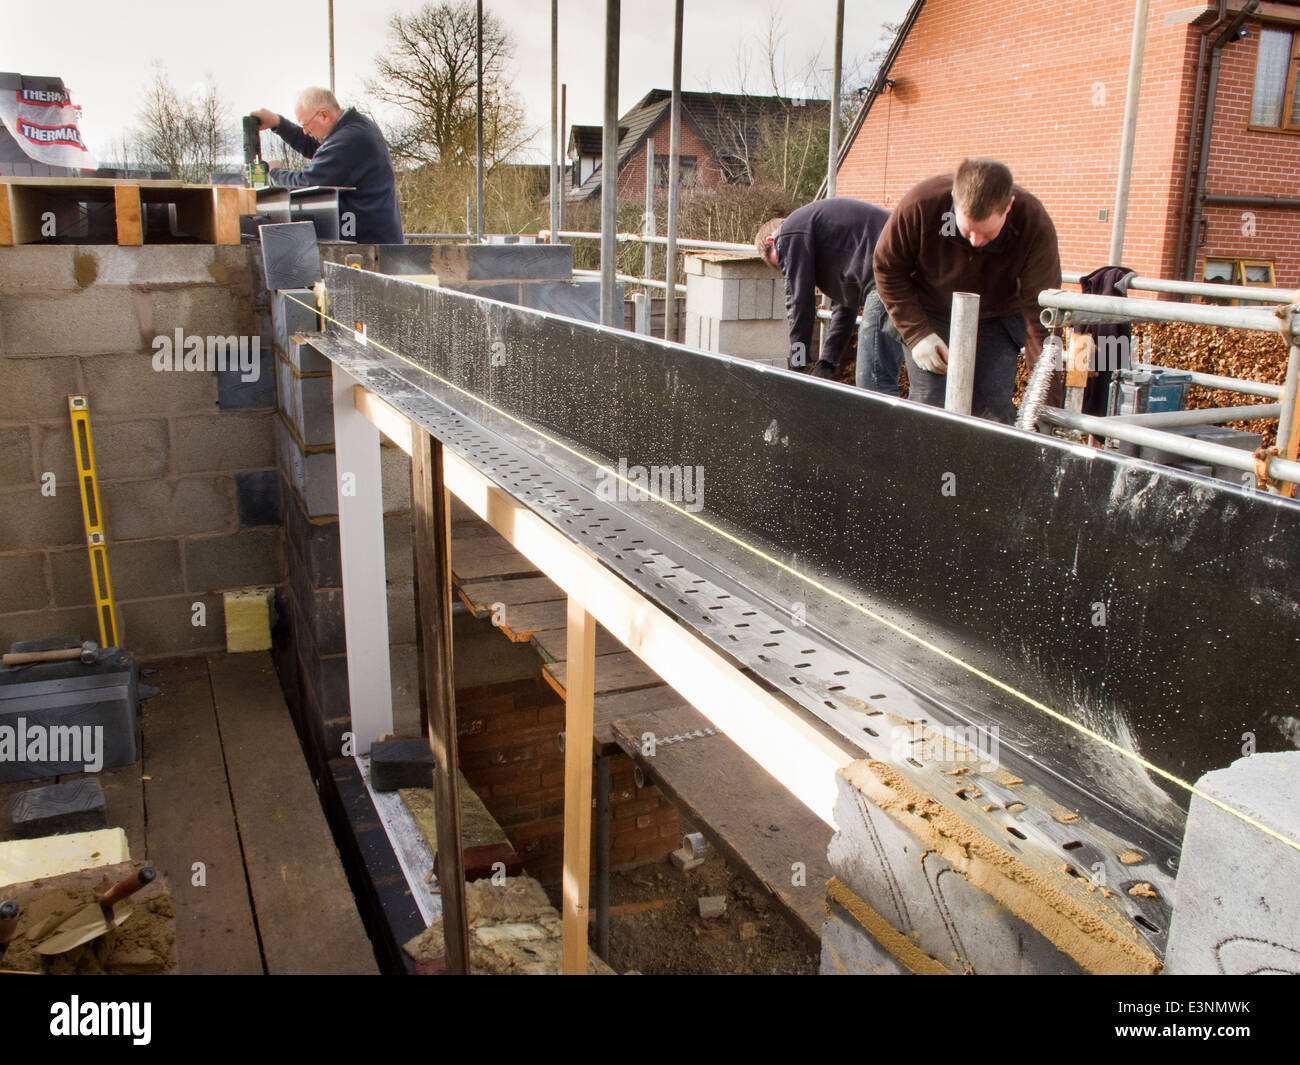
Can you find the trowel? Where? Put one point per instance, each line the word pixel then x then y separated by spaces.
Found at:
pixel 94 920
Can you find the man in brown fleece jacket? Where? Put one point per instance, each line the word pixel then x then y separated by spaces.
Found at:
pixel 974 231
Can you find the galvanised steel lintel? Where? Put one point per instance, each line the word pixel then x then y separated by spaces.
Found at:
pixel 861 547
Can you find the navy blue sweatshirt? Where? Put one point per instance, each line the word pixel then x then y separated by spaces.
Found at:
pixel 828 245
pixel 352 153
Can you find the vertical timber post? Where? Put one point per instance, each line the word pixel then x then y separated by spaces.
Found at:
pixel 431 537
pixel 579 708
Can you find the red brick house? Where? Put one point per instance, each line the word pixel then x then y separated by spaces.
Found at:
pixel 721 134
pixel 1042 87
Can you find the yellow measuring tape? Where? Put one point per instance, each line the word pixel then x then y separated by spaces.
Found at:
pixel 93 517
pixel 812 582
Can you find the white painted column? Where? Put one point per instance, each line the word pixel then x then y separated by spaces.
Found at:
pixel 365 587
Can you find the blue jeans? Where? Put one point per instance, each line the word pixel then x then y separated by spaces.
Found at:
pixel 880 354
pixel 997 355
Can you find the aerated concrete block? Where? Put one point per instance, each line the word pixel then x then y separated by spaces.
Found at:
pixel 313 408
pixel 70 806
pixel 1236 909
pixel 849 950
pixel 920 895
pixel 289 316
pixel 401 764
pixel 304 358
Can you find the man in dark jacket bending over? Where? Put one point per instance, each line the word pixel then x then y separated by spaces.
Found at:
pixel 828 245
pixel 345 148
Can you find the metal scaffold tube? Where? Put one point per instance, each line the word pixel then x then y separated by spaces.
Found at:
pixel 1086 308
pixel 609 168
pixel 674 178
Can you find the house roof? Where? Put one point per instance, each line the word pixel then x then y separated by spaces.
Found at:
pixel 722 120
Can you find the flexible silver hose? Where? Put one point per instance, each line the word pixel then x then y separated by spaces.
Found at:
pixel 1040 379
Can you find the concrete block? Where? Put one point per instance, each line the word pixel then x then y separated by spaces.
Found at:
pixel 16 468
pixel 123 449
pixel 237 390
pixel 395 470
pixel 140 569
pixel 248 558
pixel 454 263
pixel 169 264
pixel 849 950
pixel 285 394
pixel 38 389
pixel 398 559
pixel 142 510
pixel 34 624
pixel 920 895
pixel 692 336
pixel 129 385
pixel 202 311
pixel 29 520
pixel 735 266
pixel 401 612
pixel 759 339
pixel 257 498
pixel 315 544
pixel 1236 909
pixel 87 322
pixel 684 859
pixel 37 267
pixel 313 408
pixel 403 666
pixel 572 299
pixel 231 440
pixel 22 582
pixel 288 316
pixel 704 296
pixel 158 628
pixel 56 809
pixel 693 266
pixel 401 764
pixel 712 905
pixel 780 307
pixel 304 358
pixel 747 298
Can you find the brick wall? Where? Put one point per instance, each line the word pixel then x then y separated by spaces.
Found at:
pixel 509 753
pixel 708 175
pixel 186 460
pixel 1042 87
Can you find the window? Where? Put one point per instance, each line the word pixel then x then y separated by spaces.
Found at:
pixel 685 171
pixel 1276 104
pixel 1226 271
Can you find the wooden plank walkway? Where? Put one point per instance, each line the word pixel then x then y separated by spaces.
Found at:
pixel 223 804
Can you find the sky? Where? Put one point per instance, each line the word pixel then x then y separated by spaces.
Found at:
pixel 260 54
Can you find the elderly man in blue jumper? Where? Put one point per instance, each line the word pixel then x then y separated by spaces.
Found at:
pixel 344 148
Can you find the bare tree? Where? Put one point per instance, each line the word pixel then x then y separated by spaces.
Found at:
pixel 189 138
pixel 429 73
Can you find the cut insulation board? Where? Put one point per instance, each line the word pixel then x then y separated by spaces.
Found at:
pixel 248 620
pixel 34 859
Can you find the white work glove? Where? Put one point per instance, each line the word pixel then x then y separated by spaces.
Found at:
pixel 932 354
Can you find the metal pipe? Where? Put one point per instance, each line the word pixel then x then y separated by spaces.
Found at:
pixel 963 332
pixel 1226 200
pixel 1205 416
pixel 682 242
pixel 674 156
pixel 609 167
pixel 833 157
pixel 438 236
pixel 602 856
pixel 1287 426
pixel 1226 384
pixel 469 216
pixel 1207 131
pixel 331 2
pixel 555 116
pixel 648 282
pixel 478 109
pixel 1129 135
pixel 1189 145
pixel 648 219
pixel 564 126
pixel 1252 294
pixel 1201 450
pixel 1083 307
